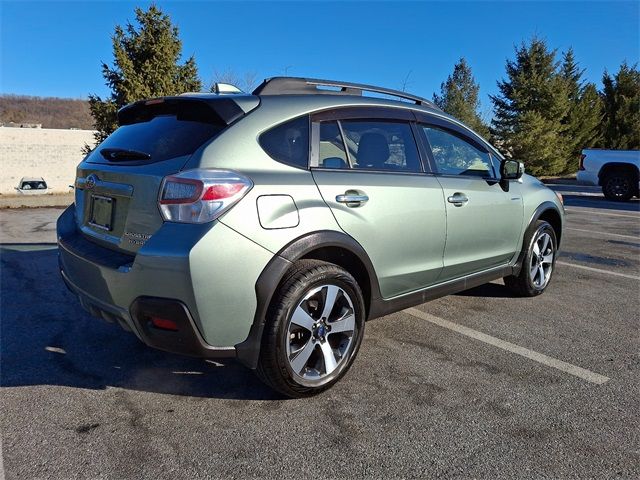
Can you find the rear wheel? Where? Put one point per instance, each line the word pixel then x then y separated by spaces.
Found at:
pixel 618 186
pixel 538 263
pixel 313 331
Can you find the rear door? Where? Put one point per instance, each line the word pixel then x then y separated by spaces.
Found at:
pixel 483 220
pixel 117 184
pixel 368 169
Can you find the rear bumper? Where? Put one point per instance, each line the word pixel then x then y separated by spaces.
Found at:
pixel 186 340
pixel 181 272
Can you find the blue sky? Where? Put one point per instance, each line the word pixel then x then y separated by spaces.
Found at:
pixel 55 48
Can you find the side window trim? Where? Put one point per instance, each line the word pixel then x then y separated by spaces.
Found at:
pixel 495 162
pixel 456 133
pixel 314 145
pixel 424 150
pixel 344 144
pixel 363 113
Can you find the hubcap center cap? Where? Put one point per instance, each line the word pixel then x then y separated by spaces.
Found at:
pixel 320 330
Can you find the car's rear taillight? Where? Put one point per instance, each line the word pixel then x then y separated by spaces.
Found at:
pixel 581 162
pixel 200 196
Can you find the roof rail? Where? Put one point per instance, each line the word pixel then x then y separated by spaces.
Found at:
pixel 297 85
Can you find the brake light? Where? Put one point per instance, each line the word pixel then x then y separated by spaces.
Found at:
pixel 581 162
pixel 218 192
pixel 200 196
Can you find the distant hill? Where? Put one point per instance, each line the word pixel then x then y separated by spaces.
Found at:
pixel 51 112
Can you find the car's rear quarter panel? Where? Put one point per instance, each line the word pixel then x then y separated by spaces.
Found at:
pixel 238 149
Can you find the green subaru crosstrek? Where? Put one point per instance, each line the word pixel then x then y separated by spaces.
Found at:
pixel 269 227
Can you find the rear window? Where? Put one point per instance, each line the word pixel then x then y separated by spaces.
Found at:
pixel 162 138
pixel 289 142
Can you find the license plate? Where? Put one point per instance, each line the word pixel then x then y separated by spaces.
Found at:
pixel 101 212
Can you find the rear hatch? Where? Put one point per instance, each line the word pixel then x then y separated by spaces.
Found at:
pixel 117 184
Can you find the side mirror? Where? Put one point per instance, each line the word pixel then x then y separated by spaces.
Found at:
pixel 511 170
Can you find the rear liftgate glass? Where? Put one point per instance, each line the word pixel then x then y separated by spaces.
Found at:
pixel 119 183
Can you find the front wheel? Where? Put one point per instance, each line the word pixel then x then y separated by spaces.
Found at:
pixel 313 329
pixel 538 263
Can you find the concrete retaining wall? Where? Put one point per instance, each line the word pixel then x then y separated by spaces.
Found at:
pixel 40 152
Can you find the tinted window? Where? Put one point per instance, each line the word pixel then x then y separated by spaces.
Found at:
pixel 161 137
pixel 455 156
pixel 378 145
pixel 332 153
pixel 288 143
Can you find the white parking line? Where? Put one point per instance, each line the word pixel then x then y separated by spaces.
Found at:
pixel 579 372
pixel 584 210
pixel 599 270
pixel 1 462
pixel 580 194
pixel 634 237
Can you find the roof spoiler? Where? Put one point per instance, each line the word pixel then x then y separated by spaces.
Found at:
pixel 209 110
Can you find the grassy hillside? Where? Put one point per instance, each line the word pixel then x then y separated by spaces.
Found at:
pixel 51 112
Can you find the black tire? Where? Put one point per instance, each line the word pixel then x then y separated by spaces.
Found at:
pixel 275 365
pixel 618 186
pixel 522 284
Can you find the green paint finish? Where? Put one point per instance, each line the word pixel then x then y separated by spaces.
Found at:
pixel 402 226
pixel 414 236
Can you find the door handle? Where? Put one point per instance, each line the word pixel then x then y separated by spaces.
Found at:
pixel 352 199
pixel 458 199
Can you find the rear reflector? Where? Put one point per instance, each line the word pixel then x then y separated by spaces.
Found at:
pixel 164 324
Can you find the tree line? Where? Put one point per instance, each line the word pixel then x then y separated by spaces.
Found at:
pixel 50 112
pixel 545 112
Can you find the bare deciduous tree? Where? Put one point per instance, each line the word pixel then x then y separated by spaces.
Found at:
pixel 245 82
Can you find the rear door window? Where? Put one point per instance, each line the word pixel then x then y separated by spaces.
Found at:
pixel 289 142
pixel 368 145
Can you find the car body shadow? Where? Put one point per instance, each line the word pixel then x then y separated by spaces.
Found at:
pixel 632 205
pixel 491 290
pixel 47 339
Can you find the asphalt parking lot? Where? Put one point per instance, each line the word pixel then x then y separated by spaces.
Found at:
pixel 478 384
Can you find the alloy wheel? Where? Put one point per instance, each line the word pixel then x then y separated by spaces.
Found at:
pixel 320 333
pixel 541 260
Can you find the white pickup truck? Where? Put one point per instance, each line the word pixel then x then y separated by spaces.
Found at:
pixel 615 170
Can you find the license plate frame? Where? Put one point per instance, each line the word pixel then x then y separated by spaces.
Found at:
pixel 101 215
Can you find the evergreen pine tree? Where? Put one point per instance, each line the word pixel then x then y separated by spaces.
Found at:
pixel 621 97
pixel 582 123
pixel 145 65
pixel 459 97
pixel 530 108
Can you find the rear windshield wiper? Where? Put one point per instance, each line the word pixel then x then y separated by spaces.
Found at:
pixel 115 154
